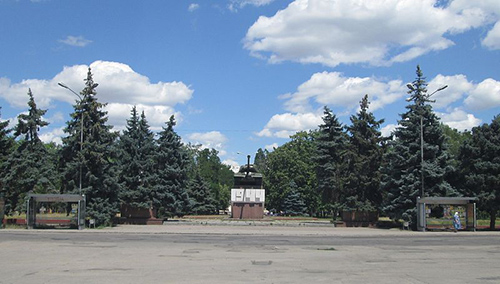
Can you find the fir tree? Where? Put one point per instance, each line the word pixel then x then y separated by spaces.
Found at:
pixel 404 174
pixel 260 160
pixel 293 204
pixel 6 143
pixel 330 146
pixel 136 158
pixel 94 159
pixel 170 197
pixel 201 201
pixel 30 167
pixel 480 167
pixel 363 158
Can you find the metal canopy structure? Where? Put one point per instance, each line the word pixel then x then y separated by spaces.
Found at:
pixel 468 202
pixel 67 198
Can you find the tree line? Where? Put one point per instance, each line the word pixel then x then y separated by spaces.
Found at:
pixel 135 168
pixel 321 172
pixel 353 167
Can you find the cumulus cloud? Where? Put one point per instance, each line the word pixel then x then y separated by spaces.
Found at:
pixel 78 41
pixel 54 136
pixel 484 95
pixel 388 129
pixel 287 124
pixel 119 86
pixel 271 147
pixel 193 6
pixel 459 119
pixel 333 32
pixel 209 140
pixel 331 88
pixel 458 87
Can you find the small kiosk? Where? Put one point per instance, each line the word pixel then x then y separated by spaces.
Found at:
pixel 33 199
pixel 465 205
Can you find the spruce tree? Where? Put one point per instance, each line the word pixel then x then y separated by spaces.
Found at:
pixel 95 159
pixel 404 172
pixel 331 141
pixel 136 159
pixel 170 196
pixel 201 201
pixel 293 204
pixel 480 167
pixel 362 159
pixel 6 143
pixel 29 168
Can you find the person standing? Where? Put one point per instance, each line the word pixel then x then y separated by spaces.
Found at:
pixel 456 222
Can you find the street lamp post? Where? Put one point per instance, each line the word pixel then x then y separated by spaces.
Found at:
pixel 425 99
pixel 81 131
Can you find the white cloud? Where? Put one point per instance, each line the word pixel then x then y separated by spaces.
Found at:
pixel 235 167
pixel 78 41
pixel 119 86
pixel 54 135
pixel 212 139
pixel 484 95
pixel 331 88
pixel 234 5
pixel 458 86
pixel 271 147
pixel 193 6
pixel 388 129
pixel 492 39
pixel 333 32
pixel 459 119
pixel 287 124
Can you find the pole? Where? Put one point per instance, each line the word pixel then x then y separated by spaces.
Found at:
pixel 422 154
pixel 81 132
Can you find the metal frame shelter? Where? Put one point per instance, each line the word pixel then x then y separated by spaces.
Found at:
pixel 68 198
pixel 468 202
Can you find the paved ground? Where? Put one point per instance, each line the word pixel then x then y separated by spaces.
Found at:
pixel 247 254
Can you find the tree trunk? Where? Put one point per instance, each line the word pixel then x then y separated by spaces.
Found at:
pixel 493 216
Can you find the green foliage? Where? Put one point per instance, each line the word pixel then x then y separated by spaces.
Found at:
pixel 136 160
pixel 293 204
pixel 362 160
pixel 95 158
pixel 480 167
pixel 6 147
pixel 218 176
pixel 402 170
pixel 30 167
pixel 260 160
pixel 292 161
pixel 202 202
pixel 330 145
pixel 170 196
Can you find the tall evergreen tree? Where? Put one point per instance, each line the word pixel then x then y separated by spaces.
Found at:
pixel 95 158
pixel 363 159
pixel 293 204
pixel 260 160
pixel 136 158
pixel 331 142
pixel 480 167
pixel 6 143
pixel 170 196
pixel 404 174
pixel 200 196
pixel 30 167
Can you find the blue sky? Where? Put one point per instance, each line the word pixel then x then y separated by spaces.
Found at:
pixel 245 74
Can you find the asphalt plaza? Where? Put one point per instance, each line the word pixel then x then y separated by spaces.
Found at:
pixel 195 253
